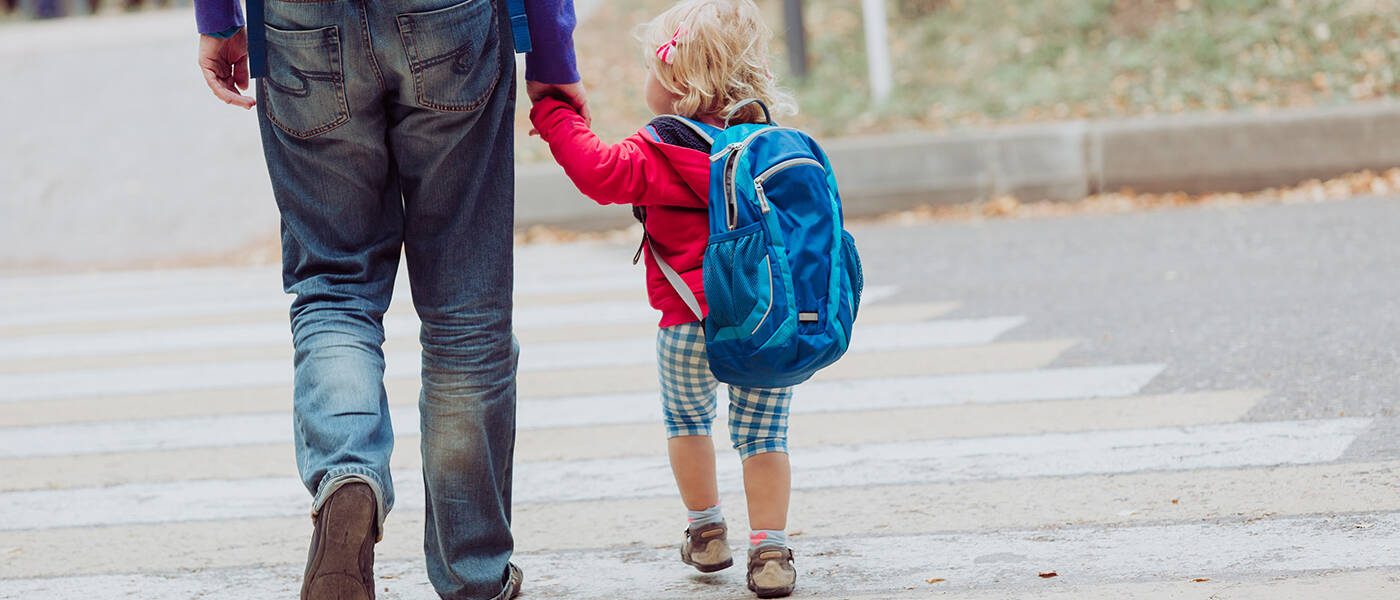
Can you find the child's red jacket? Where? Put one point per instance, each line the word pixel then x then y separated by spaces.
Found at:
pixel 671 181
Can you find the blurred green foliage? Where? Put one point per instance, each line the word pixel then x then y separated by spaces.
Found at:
pixel 969 62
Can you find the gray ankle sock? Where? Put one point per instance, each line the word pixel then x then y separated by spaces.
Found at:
pixel 767 537
pixel 705 517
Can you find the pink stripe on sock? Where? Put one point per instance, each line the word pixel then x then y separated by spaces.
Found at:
pixel 755 538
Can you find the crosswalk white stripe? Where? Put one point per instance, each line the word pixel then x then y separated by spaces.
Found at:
pixel 36 288
pixel 1125 451
pixel 1003 561
pixel 85 307
pixel 278 333
pixel 900 392
pixel 808 430
pixel 139 311
pixel 278 330
pixel 66 305
pixel 396 340
pixel 540 271
pixel 539 268
pixel 537 357
pixel 997 356
pixel 189 338
pixel 872 338
pixel 33 306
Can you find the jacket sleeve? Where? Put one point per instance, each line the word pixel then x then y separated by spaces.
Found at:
pixel 214 16
pixel 623 173
pixel 551 58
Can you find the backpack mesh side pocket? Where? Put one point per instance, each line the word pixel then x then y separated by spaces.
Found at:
pixel 738 283
pixel 857 276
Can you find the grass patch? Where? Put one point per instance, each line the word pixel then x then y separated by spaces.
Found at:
pixel 962 63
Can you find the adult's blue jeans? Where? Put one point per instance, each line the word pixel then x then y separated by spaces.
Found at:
pixel 387 128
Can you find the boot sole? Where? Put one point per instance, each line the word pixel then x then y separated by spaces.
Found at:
pixel 771 592
pixel 703 567
pixel 335 571
pixel 710 568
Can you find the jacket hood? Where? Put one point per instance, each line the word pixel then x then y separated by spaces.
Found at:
pixel 691 166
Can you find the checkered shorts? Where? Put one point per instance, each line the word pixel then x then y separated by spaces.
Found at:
pixel 758 417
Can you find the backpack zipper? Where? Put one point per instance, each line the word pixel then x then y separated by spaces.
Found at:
pixel 718 156
pixel 791 162
pixel 732 151
pixel 731 203
pixel 774 170
pixel 741 144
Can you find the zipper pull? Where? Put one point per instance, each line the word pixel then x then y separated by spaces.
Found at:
pixel 718 156
pixel 762 198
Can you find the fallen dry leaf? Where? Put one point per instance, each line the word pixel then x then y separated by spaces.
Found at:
pixel 1200 579
pixel 1176 500
pixel 1049 574
pixel 935 580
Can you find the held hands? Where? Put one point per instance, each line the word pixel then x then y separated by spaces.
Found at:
pixel 572 93
pixel 224 63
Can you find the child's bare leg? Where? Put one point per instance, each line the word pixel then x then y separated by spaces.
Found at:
pixel 706 545
pixel 767 486
pixel 693 464
pixel 688 404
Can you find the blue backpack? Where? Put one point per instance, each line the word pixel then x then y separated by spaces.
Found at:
pixel 782 277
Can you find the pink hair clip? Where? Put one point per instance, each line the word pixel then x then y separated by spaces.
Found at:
pixel 666 51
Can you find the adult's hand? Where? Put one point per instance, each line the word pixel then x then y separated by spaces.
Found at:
pixel 569 92
pixel 224 63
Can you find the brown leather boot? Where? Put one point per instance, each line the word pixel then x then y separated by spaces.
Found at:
pixel 340 565
pixel 707 548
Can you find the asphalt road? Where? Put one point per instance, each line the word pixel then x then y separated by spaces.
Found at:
pixel 1302 300
pixel 1189 403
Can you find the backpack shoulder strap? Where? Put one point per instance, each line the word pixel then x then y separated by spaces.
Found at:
pixel 519 26
pixel 257 40
pixel 707 133
pixel 677 283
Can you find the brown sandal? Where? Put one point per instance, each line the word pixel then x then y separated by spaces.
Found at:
pixel 707 548
pixel 771 571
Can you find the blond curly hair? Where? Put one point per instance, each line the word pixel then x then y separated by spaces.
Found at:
pixel 720 58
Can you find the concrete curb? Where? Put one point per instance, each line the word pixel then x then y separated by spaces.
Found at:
pixel 1059 161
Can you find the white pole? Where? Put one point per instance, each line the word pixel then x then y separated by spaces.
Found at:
pixel 877 50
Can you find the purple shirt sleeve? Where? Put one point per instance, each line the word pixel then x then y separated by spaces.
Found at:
pixel 213 16
pixel 551 59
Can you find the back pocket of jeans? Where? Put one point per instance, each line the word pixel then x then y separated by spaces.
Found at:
pixel 454 54
pixel 304 87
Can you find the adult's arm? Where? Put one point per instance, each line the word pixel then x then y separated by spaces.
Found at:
pixel 551 58
pixel 217 17
pixel 223 50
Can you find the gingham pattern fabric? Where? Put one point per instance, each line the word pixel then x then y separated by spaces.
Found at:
pixel 758 417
